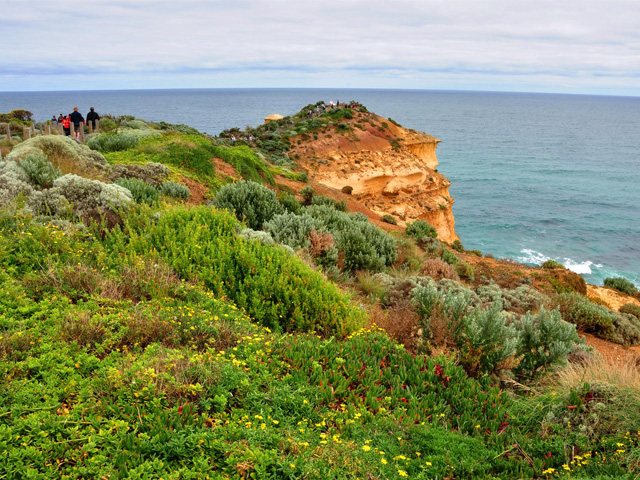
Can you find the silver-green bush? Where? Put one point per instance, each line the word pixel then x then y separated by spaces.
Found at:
pixel 85 194
pixel 142 193
pixel 249 201
pixel 290 229
pixel 175 190
pixel 544 341
pixel 14 181
pixel 112 142
pixel 39 170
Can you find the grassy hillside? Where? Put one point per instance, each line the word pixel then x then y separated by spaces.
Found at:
pixel 145 337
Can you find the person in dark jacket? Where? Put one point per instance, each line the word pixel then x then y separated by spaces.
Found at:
pixel 77 119
pixel 92 116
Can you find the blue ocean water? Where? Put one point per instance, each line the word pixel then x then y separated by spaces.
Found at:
pixel 535 176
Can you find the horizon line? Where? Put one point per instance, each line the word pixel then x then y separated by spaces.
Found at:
pixel 328 88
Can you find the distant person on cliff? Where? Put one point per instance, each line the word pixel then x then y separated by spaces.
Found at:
pixel 60 118
pixel 77 119
pixel 54 119
pixel 92 116
pixel 66 125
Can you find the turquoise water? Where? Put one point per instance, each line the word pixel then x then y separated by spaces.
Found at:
pixel 535 176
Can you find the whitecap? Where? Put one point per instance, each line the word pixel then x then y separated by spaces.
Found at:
pixel 532 257
pixel 583 268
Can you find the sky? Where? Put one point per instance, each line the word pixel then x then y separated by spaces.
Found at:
pixel 563 46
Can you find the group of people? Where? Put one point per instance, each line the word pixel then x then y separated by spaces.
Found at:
pixel 320 108
pixel 77 119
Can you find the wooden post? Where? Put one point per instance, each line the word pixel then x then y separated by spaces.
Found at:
pixel 47 128
pixel 33 129
pixel 8 131
pixel 60 128
pixel 90 127
pixel 97 124
pixel 73 130
pixel 82 133
pixel 26 133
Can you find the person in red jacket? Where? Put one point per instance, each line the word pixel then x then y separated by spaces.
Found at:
pixel 66 125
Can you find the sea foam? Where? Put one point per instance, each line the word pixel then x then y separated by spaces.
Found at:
pixel 537 258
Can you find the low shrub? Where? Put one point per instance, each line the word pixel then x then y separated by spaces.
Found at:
pixel 585 315
pixel 389 219
pixel 246 162
pixel 341 205
pixel 307 194
pixel 322 249
pixel 465 271
pixel 485 340
pixel 544 341
pixel 175 190
pixel 626 330
pixel 291 229
pixel 457 246
pixel 366 247
pixel 112 142
pixel 141 192
pixel 86 195
pixel 39 170
pixel 420 231
pixel 274 288
pixel 153 173
pixel 438 269
pixel 14 182
pixel 65 153
pixel 552 264
pixel 621 284
pixel 290 203
pixel 448 256
pixel 631 309
pixel 249 201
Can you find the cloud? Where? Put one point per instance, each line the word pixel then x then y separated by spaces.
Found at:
pixel 592 43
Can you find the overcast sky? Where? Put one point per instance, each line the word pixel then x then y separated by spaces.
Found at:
pixel 585 46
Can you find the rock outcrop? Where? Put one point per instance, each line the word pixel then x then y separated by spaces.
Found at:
pixel 390 169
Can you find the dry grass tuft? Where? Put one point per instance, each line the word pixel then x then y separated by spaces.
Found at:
pixel 438 269
pixel 321 243
pixel 400 321
pixel 621 374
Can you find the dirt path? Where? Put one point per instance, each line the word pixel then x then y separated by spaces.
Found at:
pixel 612 351
pixel 613 298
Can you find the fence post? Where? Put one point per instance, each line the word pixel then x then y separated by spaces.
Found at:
pixel 73 130
pixel 47 128
pixel 82 133
pixel 33 129
pixel 26 133
pixel 97 124
pixel 90 127
pixel 8 131
pixel 60 128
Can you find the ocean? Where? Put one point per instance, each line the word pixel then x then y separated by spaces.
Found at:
pixel 534 176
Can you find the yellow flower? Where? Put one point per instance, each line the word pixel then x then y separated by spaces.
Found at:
pixel 383 461
pixel 428 464
pixel 366 448
pixel 402 473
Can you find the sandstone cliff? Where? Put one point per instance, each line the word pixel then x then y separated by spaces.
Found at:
pixel 390 169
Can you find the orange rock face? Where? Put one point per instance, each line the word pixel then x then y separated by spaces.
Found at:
pixel 391 169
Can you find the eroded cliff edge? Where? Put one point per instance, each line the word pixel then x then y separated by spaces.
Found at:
pixel 392 170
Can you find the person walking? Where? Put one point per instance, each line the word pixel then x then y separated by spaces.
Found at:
pixel 92 116
pixel 77 119
pixel 66 125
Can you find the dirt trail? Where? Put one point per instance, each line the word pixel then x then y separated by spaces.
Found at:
pixel 612 351
pixel 613 298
